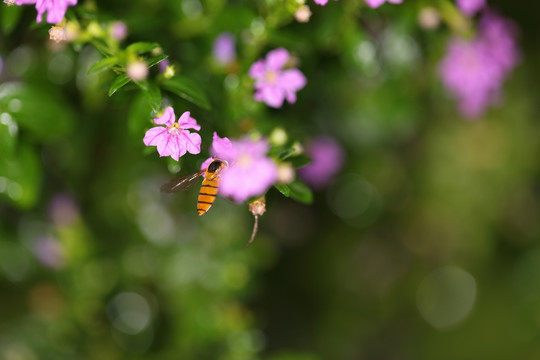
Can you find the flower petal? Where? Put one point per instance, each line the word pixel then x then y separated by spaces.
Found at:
pixel 292 79
pixel 187 122
pixel 167 146
pixel 180 147
pixel 152 136
pixel 168 117
pixel 257 70
pixel 375 3
pixel 272 95
pixel 56 12
pixel 222 148
pixel 192 142
pixel 277 58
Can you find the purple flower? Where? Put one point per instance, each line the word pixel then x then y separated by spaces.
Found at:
pixel 63 210
pixel 470 7
pixel 321 2
pixel 224 51
pixel 250 172
pixel 377 3
pixel 119 30
pixel 162 65
pixel 327 158
pixel 272 83
pixel 174 140
pixel 56 9
pixel 49 252
pixel 474 70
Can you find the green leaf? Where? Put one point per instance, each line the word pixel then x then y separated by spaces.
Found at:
pixel 285 153
pixel 299 161
pixel 41 112
pixel 187 89
pixel 10 18
pixel 156 60
pixel 142 47
pixel 301 192
pixel 139 116
pixel 103 64
pixel 21 177
pixel 120 81
pixel 8 134
pixel 284 189
pixel 152 93
pixel 101 47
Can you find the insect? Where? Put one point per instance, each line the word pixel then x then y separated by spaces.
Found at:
pixel 209 186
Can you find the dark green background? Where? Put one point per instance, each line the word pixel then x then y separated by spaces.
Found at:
pixel 427 203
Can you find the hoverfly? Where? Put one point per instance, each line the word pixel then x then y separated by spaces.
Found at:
pixel 209 186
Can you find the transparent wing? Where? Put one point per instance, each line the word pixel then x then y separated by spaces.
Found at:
pixel 181 183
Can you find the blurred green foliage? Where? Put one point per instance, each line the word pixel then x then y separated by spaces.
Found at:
pixel 424 247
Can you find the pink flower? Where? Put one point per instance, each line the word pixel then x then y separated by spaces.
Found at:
pixel 327 158
pixel 250 172
pixel 174 140
pixel 474 70
pixel 377 3
pixel 272 83
pixel 321 2
pixel 49 252
pixel 470 7
pixel 56 9
pixel 118 30
pixel 223 50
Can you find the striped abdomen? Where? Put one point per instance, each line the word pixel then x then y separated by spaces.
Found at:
pixel 207 195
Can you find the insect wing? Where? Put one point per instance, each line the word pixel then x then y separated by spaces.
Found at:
pixel 182 183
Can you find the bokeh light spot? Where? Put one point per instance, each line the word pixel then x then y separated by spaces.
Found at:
pixel 446 296
pixel 129 313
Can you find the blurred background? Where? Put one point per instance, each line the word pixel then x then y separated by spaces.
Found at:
pixel 423 246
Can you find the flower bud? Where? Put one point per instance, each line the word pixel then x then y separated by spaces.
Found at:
pixel 302 14
pixel 285 174
pixel 57 33
pixel 278 137
pixel 137 70
pixel 118 30
pixel 429 18
pixel 258 207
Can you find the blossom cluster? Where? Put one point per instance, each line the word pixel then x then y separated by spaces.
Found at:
pixel 474 70
pixel 55 9
pixel 370 3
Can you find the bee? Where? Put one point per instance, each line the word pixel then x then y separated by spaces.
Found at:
pixel 209 186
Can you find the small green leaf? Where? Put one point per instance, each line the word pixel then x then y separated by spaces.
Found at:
pixel 120 81
pixel 301 192
pixel 142 84
pixel 284 154
pixel 284 189
pixel 10 18
pixel 152 93
pixel 156 60
pixel 187 89
pixel 103 64
pixel 299 161
pixel 101 47
pixel 142 47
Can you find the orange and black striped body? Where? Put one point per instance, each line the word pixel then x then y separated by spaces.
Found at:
pixel 210 186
